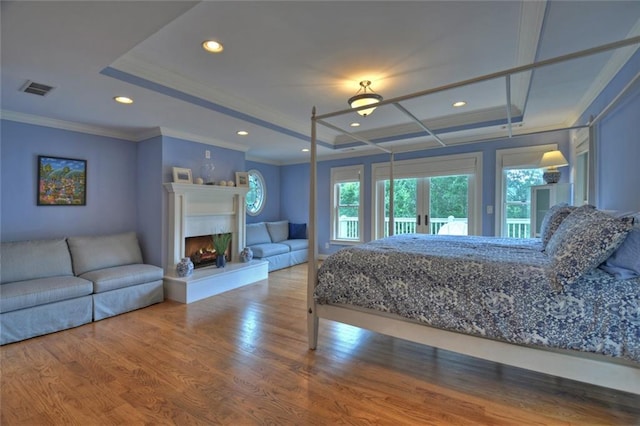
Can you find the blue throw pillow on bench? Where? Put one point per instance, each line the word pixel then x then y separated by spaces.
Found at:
pixel 297 231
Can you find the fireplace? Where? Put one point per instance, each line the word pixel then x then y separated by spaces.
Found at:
pixel 197 212
pixel 201 251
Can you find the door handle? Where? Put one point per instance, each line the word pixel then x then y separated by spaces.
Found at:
pixel 426 219
pixel 418 220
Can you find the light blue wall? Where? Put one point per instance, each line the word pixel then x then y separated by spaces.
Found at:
pixel 111 183
pixel 150 196
pixel 272 207
pixel 617 138
pixel 294 186
pixel 191 155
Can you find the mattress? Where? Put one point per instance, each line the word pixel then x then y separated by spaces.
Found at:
pixel 486 286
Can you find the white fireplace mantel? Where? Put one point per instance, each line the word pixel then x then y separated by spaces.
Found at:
pixel 196 210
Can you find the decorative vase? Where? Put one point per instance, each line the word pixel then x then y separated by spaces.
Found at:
pixel 221 261
pixel 246 254
pixel 184 268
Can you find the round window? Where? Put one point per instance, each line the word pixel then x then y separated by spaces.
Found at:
pixel 257 195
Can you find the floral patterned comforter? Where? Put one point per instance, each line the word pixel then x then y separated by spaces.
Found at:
pixel 485 286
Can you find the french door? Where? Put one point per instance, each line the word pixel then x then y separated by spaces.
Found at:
pixel 425 205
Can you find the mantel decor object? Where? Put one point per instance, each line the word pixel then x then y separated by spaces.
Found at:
pixel 184 268
pixel 220 244
pixel 182 175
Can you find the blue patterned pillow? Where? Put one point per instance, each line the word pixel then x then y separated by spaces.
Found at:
pixel 552 220
pixel 585 239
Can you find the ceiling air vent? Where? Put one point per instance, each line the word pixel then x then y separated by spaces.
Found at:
pixel 36 88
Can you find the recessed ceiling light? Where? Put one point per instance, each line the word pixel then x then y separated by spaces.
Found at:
pixel 123 100
pixel 212 46
pixel 459 104
pixel 305 149
pixel 354 124
pixel 242 132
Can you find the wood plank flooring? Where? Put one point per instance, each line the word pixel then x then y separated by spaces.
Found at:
pixel 242 358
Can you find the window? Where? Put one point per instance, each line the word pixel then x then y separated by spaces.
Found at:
pixel 257 195
pixel 346 211
pixel 517 205
pixel 516 172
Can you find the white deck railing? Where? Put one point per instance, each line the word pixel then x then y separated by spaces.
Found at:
pixel 348 226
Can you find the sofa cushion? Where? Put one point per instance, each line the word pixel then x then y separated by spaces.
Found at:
pixel 297 231
pixel 279 231
pixel 92 253
pixel 297 244
pixel 257 234
pixel 271 249
pixel 30 260
pixel 26 294
pixel 122 276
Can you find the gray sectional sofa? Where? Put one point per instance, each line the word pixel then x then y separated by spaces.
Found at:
pixel 52 285
pixel 273 241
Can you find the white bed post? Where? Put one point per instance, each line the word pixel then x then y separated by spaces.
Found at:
pixel 312 264
pixel 391 221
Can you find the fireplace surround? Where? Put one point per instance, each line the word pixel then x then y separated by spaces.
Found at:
pixel 202 211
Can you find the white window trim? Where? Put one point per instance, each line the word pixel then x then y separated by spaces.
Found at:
pixel 524 157
pixel 443 165
pixel 345 174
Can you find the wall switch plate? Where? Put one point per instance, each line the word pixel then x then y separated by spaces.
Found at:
pixel 207 154
pixel 489 209
pixel 326 245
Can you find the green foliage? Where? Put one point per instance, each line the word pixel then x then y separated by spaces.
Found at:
pixel 448 197
pixel 519 183
pixel 221 242
pixel 348 198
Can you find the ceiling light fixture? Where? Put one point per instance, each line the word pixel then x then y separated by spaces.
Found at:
pixel 242 132
pixel 364 98
pixel 212 46
pixel 305 149
pixel 354 124
pixel 459 104
pixel 123 100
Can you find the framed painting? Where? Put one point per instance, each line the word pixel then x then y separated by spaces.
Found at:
pixel 182 175
pixel 242 179
pixel 62 181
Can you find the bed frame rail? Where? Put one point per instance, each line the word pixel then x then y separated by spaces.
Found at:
pixel 587 368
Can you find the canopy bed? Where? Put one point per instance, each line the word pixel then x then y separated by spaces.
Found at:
pixel 525 303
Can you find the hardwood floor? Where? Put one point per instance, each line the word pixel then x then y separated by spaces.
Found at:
pixel 241 358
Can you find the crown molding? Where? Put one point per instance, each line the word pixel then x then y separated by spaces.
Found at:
pixel 66 125
pixel 111 133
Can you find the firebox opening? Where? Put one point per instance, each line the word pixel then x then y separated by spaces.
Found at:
pixel 200 250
